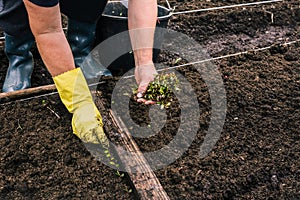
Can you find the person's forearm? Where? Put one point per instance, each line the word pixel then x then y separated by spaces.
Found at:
pixel 53 46
pixel 55 52
pixel 142 16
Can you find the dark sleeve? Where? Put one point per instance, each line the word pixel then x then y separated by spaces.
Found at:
pixel 45 3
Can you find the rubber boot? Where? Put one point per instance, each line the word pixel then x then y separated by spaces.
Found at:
pixel 17 50
pixel 81 37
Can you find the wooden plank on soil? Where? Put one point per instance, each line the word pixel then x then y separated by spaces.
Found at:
pixel 143 178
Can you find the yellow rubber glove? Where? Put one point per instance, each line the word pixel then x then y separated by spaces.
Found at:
pixel 75 94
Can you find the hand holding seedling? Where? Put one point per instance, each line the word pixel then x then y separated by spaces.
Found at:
pixel 144 74
pixel 159 90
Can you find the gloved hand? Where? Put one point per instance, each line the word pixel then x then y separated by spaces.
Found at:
pixel 74 93
pixel 144 74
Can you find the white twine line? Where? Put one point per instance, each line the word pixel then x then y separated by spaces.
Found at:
pixel 202 10
pixel 174 67
pixel 225 7
pixel 169 6
pixel 221 57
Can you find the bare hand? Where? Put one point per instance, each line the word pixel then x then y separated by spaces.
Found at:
pixel 144 74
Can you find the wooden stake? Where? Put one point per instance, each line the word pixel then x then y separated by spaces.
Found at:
pixel 29 91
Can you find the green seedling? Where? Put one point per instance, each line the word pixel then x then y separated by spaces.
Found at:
pixel 178 60
pixel 128 190
pixel 112 160
pixel 44 102
pixel 118 173
pixel 161 89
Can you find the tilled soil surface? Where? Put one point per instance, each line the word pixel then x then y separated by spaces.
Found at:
pixel 255 157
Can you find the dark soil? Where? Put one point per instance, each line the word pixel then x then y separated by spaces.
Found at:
pixel 256 157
